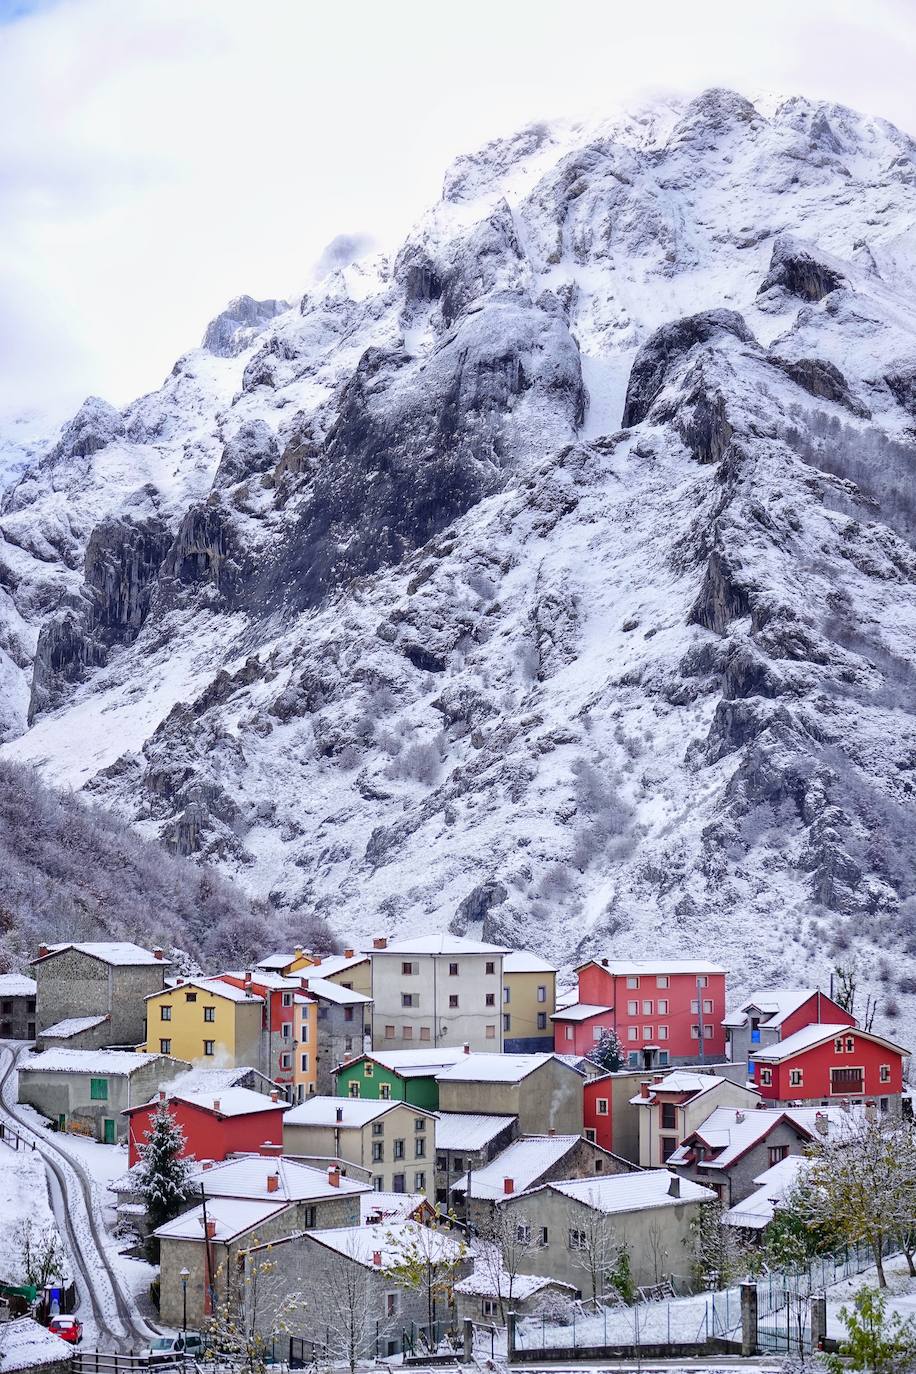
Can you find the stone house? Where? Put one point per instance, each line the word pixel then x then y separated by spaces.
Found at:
pixel 250 1201
pixel 437 990
pixel 673 1105
pixel 88 1091
pixel 542 1090
pixel 105 983
pixel 392 1142
pixel 731 1147
pixel 622 1087
pixel 17 1007
pixel 648 1211
pixel 525 1164
pixel 25 1345
pixel 352 970
pixel 468 1141
pixel 477 1297
pixel 344 1027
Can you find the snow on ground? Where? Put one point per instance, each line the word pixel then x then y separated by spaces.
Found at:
pixel 23 1202
pixel 901 1293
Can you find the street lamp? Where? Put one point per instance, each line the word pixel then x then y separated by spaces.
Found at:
pixel 184 1275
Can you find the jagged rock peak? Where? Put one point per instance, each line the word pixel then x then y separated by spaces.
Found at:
pixel 666 346
pixel 234 328
pixel 94 425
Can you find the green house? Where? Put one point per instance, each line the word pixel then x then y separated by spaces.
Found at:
pixel 402 1076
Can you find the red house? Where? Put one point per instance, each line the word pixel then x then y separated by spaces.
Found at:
pixel 830 1063
pixel 598 1111
pixel 215 1124
pixel 278 1031
pixel 774 1014
pixel 665 1012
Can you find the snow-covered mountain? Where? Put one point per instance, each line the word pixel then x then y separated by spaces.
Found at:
pixel 554 578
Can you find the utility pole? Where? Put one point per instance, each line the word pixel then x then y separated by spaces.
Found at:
pixel 700 991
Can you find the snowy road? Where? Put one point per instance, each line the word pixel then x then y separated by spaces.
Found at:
pixel 111 1321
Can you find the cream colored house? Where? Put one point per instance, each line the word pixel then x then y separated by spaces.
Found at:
pixel 673 1106
pixel 393 1143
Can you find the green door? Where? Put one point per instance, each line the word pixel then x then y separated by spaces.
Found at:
pixel 109 1131
pixel 62 1121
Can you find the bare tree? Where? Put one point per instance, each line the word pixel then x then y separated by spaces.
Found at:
pixel 428 1261
pixel 593 1246
pixel 42 1253
pixel 505 1239
pixel 257 1305
pixel 342 1306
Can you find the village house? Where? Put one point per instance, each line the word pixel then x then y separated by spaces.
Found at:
pixel 649 1212
pixel 468 1141
pixel 215 1124
pixel 305 1054
pixel 612 1108
pixel 541 1090
pixel 86 1091
pixel 318 1196
pixel 529 1161
pixel 529 998
pixel 376 1207
pixel 772 1015
pixel 397 1075
pixel 102 985
pixel 437 990
pixel 285 964
pixel 664 1012
pixel 674 1105
pixel 733 1146
pixel 754 1213
pixel 26 1345
pixel 277 1050
pixel 393 1142
pixel 487 1293
pixel 831 1063
pixel 352 970
pixel 17 1007
pixel 206 1021
pixel 597 1114
pixel 344 1025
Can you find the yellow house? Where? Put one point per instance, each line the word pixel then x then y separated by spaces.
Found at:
pixel 206 1022
pixel 352 970
pixel 288 964
pixel 305 1055
pixel 529 1000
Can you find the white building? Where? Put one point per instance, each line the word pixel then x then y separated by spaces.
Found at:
pixel 437 990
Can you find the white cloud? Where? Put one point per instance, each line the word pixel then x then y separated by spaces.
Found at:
pixel 160 156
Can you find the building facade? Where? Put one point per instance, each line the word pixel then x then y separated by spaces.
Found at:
pixel 393 1143
pixel 731 1148
pixel 773 1014
pixel 676 1104
pixel 214 1126
pixel 542 1091
pixel 343 1027
pixel 397 1075
pixel 277 1051
pixel 18 1018
pixel 528 1002
pixel 106 984
pixel 87 1091
pixel 437 990
pixel 831 1063
pixel 205 1021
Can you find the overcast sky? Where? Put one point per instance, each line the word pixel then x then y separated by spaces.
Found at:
pixel 158 157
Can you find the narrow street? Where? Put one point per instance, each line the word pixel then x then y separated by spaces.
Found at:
pixel 109 1318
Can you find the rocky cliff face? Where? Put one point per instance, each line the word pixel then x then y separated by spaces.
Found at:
pixel 553 579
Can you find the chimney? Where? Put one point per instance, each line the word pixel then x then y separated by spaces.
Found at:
pixel 380 942
pixel 162 1094
pixel 349 954
pixel 377 1258
pixel 508 1186
pixel 274 1095
pixel 644 1088
pixel 604 963
pixel 269 1148
pixel 674 1186
pixel 739 1115
pixel 211 1230
pixel 43 951
pixel 273 1183
pixel 247 978
pixel 551 1130
pixel 871 1111
pixel 466 1047
pixel 821 1122
pixel 216 1104
pixel 298 952
pixel 157 953
pixel 659 1078
pixel 334 1176
pixel 207 1164
pixel 338 1113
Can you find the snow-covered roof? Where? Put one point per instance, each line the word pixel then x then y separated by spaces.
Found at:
pixel 281 960
pixel 263 978
pixel 17 985
pixel 412 1063
pixel 26 1345
pixel 338 963
pixel 580 1011
pixel 247 1178
pixel 376 1207
pixel 493 1068
pixel 775 1003
pixel 232 1216
pixel 809 1036
pixel 332 992
pixel 440 944
pixel 209 1081
pixel 468 1130
pixel 73 1025
pixel 524 1161
pixel 613 1193
pixel 118 952
pixel 734 1132
pixel 355 1112
pixel 756 1211
pixel 488 1281
pixel 523 961
pixel 636 968
pixel 108 1063
pixel 226 1102
pixel 682 1081
pixel 388 1240
pixel 214 986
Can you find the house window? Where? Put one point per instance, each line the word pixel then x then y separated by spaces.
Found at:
pixel 490 999
pixel 389 1032
pixel 766 1077
pixel 590 1134
pixel 407 969
pixel 694 1032
pixel 663 1054
pixel 7 1008
pixel 304 1031
pixel 662 980
pixel 487 1307
pixel 354 1089
pixel 165 1013
pixel 209 1013
pixel 369 1066
pixel 577 1239
pixel 663 1035
pixel 286 1031
pixel 702 981
pixel 378 1128
pixel 424 1033
pixel 458 1164
pixel 419 1147
pixel 695 1007
pixel 884 1073
pixel 209 1047
pixel 599 1165
pixel 399 1149
pixel 647 1032
pixel 523 1234
pixel 632 1033
pixel 543 1238
pixel 507 994
pixel 190 997
pixel 453 999
pixel 165 1047
pixel 287 999
pixel 98 1089
pixel 419 1124
pixel 384 1091
pixel 378 1151
pixel 668 1147
pixel 507 1023
pixel 838 1045
pixel 542 993
pixel 303 1063
pixel 419 1181
pixel 669 1116
pixel 632 1008
pixel 707 1031
pixel 796 1078
pixel 632 1059
pixel 847 1080
pixel 490 966
pixel 348 1013
pixel 490 1032
pixel 453 970
pixel 597 1033
pixel 632 982
pixel 391 1304
pixel 647 1008
pixel 601 1106
pixel 663 1006
pixel 309 1216
pixel 398 1184
pixel 777 1152
pixel 407 1032
pixel 850 1044
pixel 569 1032
pixel 707 1006
pixel 542 1020
pixel 407 999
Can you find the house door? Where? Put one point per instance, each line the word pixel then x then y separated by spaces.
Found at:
pixel 62 1121
pixel 109 1131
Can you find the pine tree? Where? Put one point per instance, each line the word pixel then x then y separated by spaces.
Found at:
pixel 608 1054
pixel 165 1171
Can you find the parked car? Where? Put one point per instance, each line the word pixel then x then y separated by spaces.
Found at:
pixel 168 1347
pixel 68 1328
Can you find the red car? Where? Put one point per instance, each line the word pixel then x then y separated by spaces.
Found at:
pixel 68 1328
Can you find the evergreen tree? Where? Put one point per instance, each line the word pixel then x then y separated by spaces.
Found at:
pixel 165 1171
pixel 608 1054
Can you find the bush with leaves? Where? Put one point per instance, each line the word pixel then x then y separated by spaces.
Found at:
pixel 874 1342
pixel 719 1253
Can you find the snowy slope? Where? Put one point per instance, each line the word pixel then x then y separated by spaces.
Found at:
pixel 379 605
